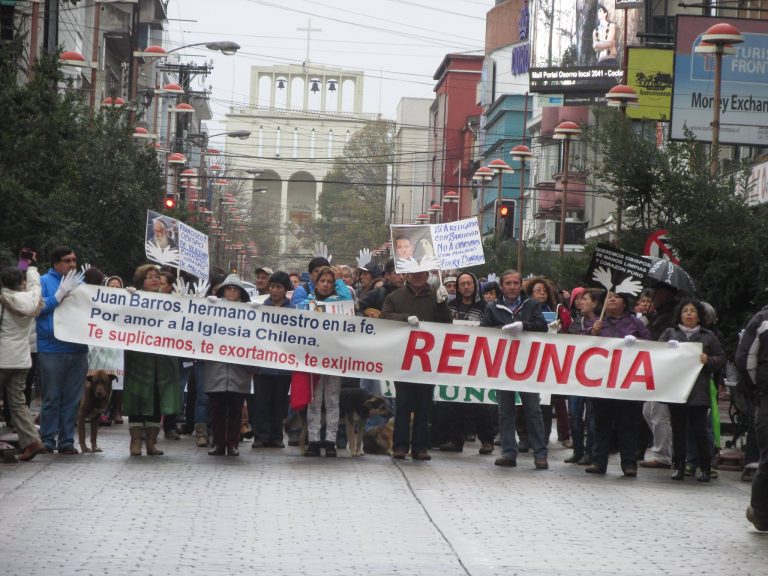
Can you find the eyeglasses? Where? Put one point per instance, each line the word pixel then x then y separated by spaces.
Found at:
pixel 152 277
pixel 70 259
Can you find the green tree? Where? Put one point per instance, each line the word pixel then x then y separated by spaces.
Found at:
pixel 719 238
pixel 566 271
pixel 67 177
pixel 353 199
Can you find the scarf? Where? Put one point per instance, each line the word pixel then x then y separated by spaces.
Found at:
pixel 689 331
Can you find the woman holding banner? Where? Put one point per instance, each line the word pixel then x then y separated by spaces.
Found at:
pixel 325 388
pixel 227 384
pixel 580 409
pixel 151 385
pixel 625 415
pixel 693 414
pixel 558 319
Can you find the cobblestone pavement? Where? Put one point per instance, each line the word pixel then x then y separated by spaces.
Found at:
pixel 272 511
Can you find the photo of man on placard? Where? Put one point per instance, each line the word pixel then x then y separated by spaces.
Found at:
pixel 413 249
pixel 162 239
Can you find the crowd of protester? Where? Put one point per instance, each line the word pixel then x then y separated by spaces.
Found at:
pixel 223 404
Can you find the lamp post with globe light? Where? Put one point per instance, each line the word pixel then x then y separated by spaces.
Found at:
pixel 621 97
pixel 499 168
pixel 718 40
pixel 522 153
pixel 565 131
pixel 482 175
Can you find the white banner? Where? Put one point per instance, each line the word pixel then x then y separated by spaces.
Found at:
pixel 380 349
pixel 447 246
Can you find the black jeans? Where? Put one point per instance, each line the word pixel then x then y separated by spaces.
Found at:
pixel 413 399
pixel 684 417
pixel 582 417
pixel 625 417
pixel 270 404
pixel 456 415
pixel 226 414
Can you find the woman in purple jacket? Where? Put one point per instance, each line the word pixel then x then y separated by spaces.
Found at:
pixel 624 415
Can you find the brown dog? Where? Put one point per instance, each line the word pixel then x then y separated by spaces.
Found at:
pixel 96 393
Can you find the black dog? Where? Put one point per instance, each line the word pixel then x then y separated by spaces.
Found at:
pixel 356 405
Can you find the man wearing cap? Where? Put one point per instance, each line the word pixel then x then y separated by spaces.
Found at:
pixel 370 279
pixel 262 280
pixel 302 291
pixel 450 286
pixel 372 303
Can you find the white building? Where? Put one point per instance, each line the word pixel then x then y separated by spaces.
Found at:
pixel 300 117
pixel 412 179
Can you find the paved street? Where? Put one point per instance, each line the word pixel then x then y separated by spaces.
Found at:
pixel 275 512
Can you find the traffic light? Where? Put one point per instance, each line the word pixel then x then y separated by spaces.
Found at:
pixel 170 201
pixel 505 215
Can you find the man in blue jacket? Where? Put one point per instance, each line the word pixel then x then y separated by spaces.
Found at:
pixel 514 312
pixel 63 366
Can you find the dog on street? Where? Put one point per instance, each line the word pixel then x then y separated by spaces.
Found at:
pixel 96 393
pixel 356 405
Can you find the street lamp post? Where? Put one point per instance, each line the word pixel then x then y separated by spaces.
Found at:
pixel 202 140
pixel 522 153
pixel 621 97
pixel 565 131
pixel 718 40
pixel 482 175
pixel 499 168
pixel 452 199
pixel 434 211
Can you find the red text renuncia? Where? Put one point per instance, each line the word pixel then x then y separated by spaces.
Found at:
pixel 532 361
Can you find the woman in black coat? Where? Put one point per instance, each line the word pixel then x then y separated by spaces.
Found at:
pixel 693 413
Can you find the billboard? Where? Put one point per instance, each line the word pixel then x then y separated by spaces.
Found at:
pixel 649 72
pixel 577 45
pixel 744 90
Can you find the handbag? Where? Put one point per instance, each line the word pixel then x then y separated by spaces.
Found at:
pixel 301 390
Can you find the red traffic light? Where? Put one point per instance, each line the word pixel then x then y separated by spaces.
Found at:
pixel 504 211
pixel 170 202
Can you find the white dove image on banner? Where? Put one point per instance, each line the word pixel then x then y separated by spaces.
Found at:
pixel 365 347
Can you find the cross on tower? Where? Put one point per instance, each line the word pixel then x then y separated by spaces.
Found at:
pixel 309 31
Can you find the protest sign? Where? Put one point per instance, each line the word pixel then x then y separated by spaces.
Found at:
pixel 446 246
pixel 339 307
pixel 617 271
pixel 173 243
pixel 193 251
pixel 361 347
pixel 462 394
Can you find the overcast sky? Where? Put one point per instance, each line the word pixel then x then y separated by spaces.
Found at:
pixel 397 43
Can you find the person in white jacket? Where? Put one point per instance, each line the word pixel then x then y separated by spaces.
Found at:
pixel 19 305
